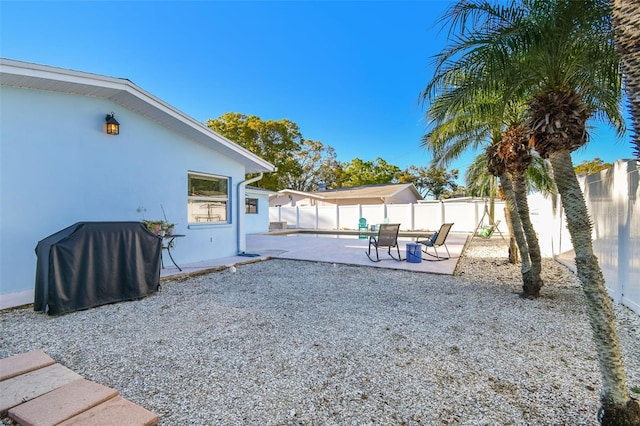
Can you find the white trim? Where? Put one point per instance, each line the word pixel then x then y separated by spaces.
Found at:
pixel 12 300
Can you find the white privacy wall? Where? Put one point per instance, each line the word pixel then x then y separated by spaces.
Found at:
pixel 613 198
pixel 59 167
pixel 428 216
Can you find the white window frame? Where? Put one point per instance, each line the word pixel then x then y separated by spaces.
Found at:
pixel 247 204
pixel 207 209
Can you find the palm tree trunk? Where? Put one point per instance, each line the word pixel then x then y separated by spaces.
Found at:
pixel 626 21
pixel 532 281
pixel 513 245
pixel 617 406
pixel 518 233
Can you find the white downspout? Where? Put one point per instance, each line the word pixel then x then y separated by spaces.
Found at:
pixel 242 237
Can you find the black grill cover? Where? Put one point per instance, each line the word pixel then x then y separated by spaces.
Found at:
pixel 94 263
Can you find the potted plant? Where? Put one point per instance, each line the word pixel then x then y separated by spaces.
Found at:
pixel 155 226
pixel 168 228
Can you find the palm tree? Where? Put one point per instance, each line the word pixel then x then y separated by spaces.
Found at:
pixel 471 126
pixel 562 52
pixel 514 151
pixel 497 167
pixel 470 106
pixel 626 21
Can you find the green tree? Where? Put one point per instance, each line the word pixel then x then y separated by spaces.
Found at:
pixel 593 166
pixel 302 164
pixel 478 182
pixel 358 172
pixel 434 181
pixel 317 164
pixel 562 52
pixel 276 141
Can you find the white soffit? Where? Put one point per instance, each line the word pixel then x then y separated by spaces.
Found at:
pixel 123 92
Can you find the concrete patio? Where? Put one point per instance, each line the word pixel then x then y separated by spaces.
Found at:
pixel 343 248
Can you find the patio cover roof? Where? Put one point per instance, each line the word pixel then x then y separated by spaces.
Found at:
pixel 123 92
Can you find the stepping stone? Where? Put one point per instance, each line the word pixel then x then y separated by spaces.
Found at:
pixel 30 385
pixel 62 403
pixel 116 411
pixel 23 363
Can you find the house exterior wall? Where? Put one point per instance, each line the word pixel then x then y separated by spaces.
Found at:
pixel 59 167
pixel 403 197
pixel 256 223
pixel 350 201
pixel 291 200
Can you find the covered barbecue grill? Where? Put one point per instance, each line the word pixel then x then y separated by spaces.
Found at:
pixel 90 264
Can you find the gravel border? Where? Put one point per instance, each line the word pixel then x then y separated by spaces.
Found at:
pixel 285 342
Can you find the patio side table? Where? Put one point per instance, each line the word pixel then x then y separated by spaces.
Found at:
pixel 168 246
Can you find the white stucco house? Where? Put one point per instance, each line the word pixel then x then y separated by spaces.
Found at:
pixel 58 166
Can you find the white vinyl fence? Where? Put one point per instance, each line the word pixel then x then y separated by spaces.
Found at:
pixel 613 200
pixel 465 213
pixel 612 197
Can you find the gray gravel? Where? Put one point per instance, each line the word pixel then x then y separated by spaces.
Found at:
pixel 286 342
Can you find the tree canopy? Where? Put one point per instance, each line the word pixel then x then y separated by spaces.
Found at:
pixel 305 165
pixel 593 166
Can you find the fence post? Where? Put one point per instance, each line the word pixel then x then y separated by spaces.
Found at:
pixel 412 225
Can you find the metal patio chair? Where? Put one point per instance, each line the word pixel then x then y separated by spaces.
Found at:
pixel 436 240
pixel 387 237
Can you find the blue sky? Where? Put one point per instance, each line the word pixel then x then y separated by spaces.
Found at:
pixel 347 72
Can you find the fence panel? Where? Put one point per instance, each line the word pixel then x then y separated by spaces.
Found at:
pixel 289 215
pixel 374 213
pixel 428 216
pixel 348 216
pixel 402 214
pixel 612 199
pixel 307 217
pixel 459 215
pixel 327 217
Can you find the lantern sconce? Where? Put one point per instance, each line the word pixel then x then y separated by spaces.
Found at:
pixel 113 127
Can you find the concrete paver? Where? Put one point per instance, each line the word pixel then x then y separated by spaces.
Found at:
pixel 116 411
pixel 30 385
pixel 23 363
pixel 62 403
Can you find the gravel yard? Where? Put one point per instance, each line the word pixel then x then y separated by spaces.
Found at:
pixel 285 342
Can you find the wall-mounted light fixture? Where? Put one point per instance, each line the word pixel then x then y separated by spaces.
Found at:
pixel 113 127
